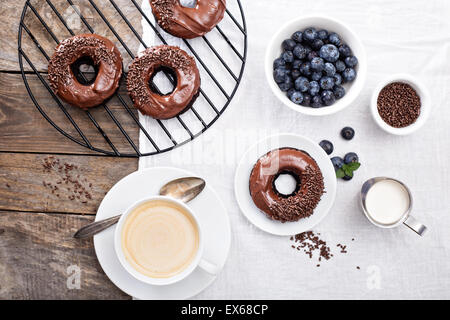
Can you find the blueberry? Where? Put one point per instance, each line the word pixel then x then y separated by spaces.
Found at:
pixel 279 75
pixel 329 52
pixel 339 91
pixel 327 146
pixel 279 62
pixel 349 74
pixel 348 133
pixel 347 178
pixel 288 56
pixel 290 92
pixel 306 100
pixel 326 83
pixel 315 76
pixel 328 97
pixel 312 55
pixel 297 36
pixel 322 34
pixel 299 51
pixel 317 44
pixel 310 34
pixel 337 162
pixel 334 39
pixel 305 68
pixel 295 73
pixel 340 66
pixel 314 88
pixel 345 50
pixel 351 157
pixel 337 79
pixel 351 61
pixel 317 64
pixel 302 84
pixel 329 69
pixel 308 49
pixel 316 102
pixel 296 64
pixel 288 44
pixel 296 97
pixel 286 85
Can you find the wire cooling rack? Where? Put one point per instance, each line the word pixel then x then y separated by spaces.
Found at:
pixel 114 127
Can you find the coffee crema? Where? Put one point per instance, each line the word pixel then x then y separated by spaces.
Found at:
pixel 160 239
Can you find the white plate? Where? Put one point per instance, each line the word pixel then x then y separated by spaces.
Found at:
pixel 211 213
pixel 245 201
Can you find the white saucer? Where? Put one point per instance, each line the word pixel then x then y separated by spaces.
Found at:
pixel 212 215
pixel 256 216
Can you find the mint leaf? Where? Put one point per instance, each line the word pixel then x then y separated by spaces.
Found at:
pixel 340 173
pixel 348 172
pixel 353 166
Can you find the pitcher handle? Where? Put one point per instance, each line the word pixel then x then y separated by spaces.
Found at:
pixel 415 225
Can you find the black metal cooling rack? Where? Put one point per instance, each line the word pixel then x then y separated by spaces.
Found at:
pixel 160 130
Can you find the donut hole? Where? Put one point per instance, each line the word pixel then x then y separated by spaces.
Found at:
pixel 85 70
pixel 188 3
pixel 163 81
pixel 286 184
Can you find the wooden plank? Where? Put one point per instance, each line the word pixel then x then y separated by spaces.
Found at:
pixel 9 26
pixel 10 12
pixel 59 183
pixel 23 128
pixel 38 255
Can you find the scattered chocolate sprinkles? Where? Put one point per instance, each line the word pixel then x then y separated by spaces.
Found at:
pixel 342 248
pixel 309 242
pixel 313 246
pixel 398 104
pixel 301 205
pixel 73 188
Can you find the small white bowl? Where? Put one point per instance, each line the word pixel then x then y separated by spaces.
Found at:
pixel 424 101
pixel 352 89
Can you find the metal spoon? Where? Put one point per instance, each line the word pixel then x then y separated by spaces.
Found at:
pixel 183 189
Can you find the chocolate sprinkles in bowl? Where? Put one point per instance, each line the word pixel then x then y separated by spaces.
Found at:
pixel 398 104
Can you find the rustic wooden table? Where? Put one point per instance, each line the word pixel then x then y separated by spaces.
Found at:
pixel 39 211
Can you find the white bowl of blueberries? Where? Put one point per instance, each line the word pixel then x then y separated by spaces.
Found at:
pixel 316 65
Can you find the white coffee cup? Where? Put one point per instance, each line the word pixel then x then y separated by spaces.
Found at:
pixel 197 261
pixel 403 210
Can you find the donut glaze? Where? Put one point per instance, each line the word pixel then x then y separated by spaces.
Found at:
pixel 106 58
pixel 304 199
pixel 146 65
pixel 188 23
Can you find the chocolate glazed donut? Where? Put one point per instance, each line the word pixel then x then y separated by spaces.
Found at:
pixel 188 23
pixel 174 61
pixel 72 52
pixel 302 202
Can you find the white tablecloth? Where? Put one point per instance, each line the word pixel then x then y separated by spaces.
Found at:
pixel 399 36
